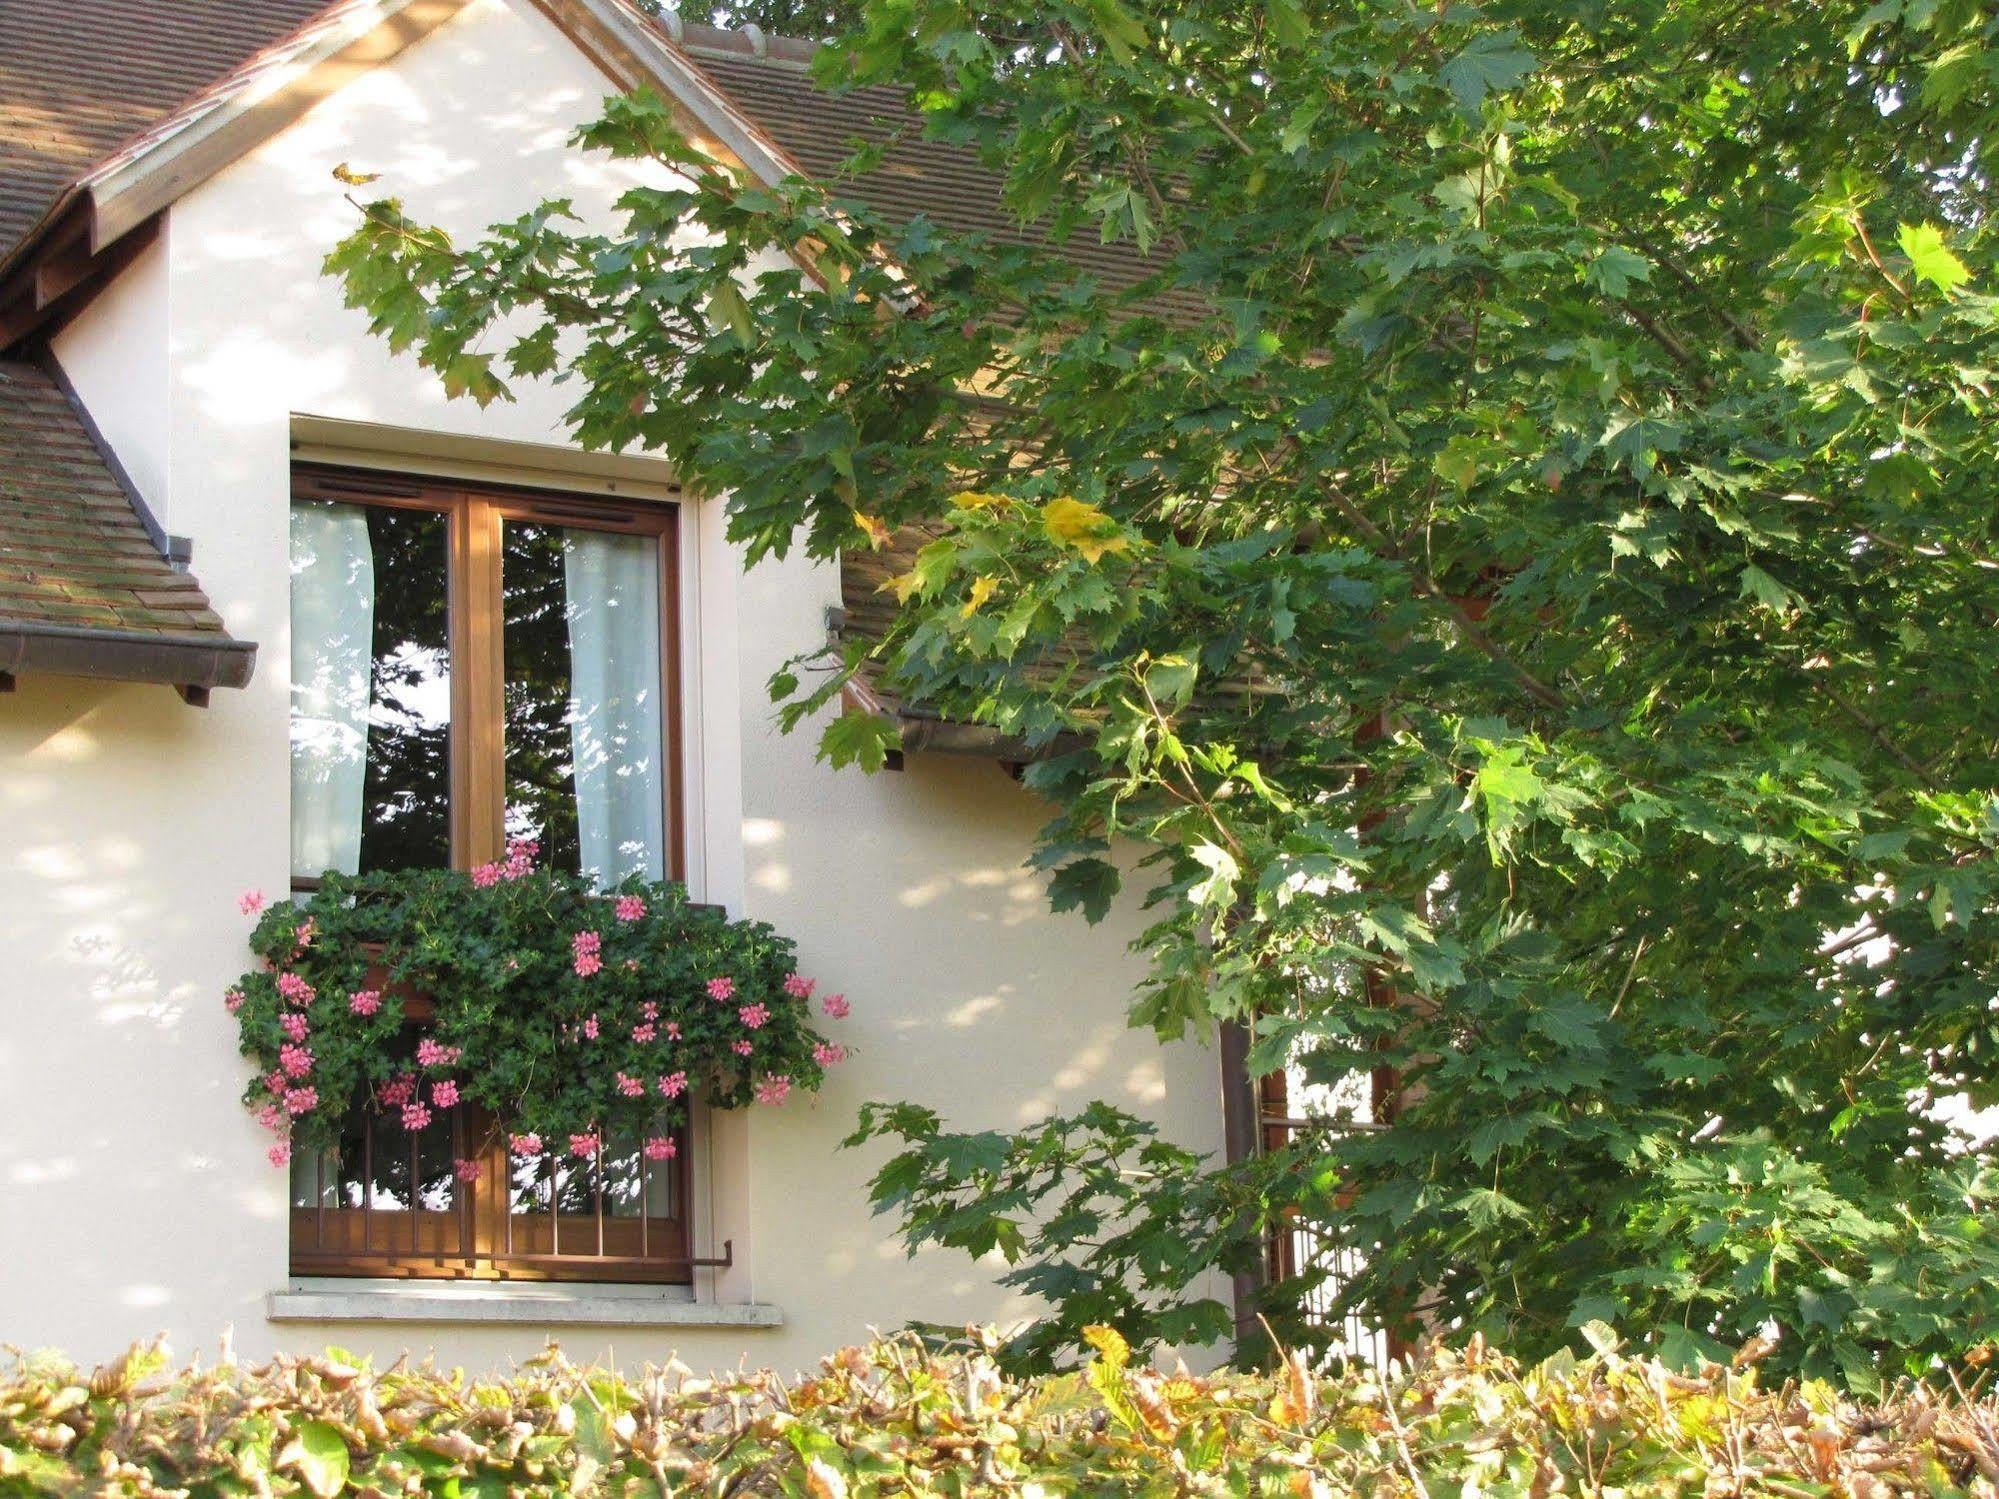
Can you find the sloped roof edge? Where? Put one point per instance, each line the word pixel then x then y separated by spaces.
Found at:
pixel 240 110
pixel 273 88
pixel 89 585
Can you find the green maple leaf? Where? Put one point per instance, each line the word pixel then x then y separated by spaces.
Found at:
pixel 1493 62
pixel 1930 257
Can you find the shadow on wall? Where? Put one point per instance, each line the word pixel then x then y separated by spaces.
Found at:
pixel 119 1079
pixel 971 996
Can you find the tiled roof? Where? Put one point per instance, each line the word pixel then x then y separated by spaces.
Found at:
pixel 946 183
pixel 77 564
pixel 77 77
pixel 86 83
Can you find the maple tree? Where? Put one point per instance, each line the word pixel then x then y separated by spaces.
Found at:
pixel 1521 567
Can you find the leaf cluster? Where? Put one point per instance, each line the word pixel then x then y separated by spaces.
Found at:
pixel 895 1417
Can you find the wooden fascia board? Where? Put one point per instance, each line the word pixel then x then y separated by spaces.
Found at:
pixel 153 178
pixel 630 52
pixel 47 289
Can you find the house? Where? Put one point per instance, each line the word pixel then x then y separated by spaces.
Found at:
pixel 221 500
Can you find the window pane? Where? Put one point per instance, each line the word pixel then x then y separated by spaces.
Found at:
pixel 381 1165
pixel 371 689
pixel 585 761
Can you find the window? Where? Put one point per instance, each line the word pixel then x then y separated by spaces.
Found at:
pixel 473 665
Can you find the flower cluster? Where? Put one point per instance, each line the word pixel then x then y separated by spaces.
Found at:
pixel 587 1020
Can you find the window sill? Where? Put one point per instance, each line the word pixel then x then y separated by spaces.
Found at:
pixel 513 1306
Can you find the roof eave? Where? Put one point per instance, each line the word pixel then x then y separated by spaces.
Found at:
pixel 131 188
pixel 193 662
pixel 136 184
pixel 631 51
pixel 929 734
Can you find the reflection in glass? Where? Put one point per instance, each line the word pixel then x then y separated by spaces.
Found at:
pixel 629 1181
pixel 378 1164
pixel 584 756
pixel 371 689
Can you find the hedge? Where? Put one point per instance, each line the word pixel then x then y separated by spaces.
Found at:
pixel 900 1417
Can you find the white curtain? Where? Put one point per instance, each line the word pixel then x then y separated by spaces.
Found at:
pixel 333 627
pixel 611 592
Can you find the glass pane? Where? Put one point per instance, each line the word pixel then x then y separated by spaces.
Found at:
pixel 371 689
pixel 585 762
pixel 380 1164
pixel 629 1179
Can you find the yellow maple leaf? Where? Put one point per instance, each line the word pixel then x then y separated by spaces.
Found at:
pixel 973 499
pixel 876 532
pixel 1108 1342
pixel 1069 522
pixel 982 589
pixel 904 585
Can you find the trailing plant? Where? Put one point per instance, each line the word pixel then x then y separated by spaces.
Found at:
pixel 898 1418
pixel 569 1013
pixel 1508 536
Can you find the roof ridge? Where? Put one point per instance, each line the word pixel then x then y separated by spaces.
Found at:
pixel 749 40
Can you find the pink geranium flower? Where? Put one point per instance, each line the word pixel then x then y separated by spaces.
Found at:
pixel 301 1100
pixel 673 1030
pixel 467 1171
pixel 826 1054
pixel 415 1117
pixel 528 1144
pixel 662 1148
pixel 585 1145
pixel 398 1091
pixel 644 1033
pixel 720 989
pixel 295 989
pixel 673 1085
pixel 433 1053
pixel 307 930
pixel 774 1090
pixel 753 1016
pixel 485 876
pixel 591 1030
pixel 630 908
pixel 631 1087
pixel 587 947
pixel 272 1116
pixel 364 1001
pixel 233 1001
pixel 520 858
pixel 294 1025
pixel 444 1094
pixel 651 1009
pixel 836 1005
pixel 280 1153
pixel 275 1081
pixel 800 987
pixel 295 1061
pixel 741 1048
pixel 250 902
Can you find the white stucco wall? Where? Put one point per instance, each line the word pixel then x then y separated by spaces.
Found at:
pixel 133 1192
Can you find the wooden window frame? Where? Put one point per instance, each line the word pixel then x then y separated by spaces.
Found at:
pixel 479 1237
pixel 474 514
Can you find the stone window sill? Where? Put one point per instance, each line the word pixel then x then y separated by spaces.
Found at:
pixel 515 1305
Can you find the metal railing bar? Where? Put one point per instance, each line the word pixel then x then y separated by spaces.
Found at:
pixel 367 1184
